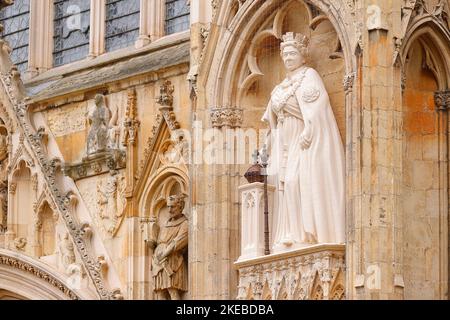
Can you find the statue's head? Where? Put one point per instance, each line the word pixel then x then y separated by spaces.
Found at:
pixel 99 99
pixel 294 50
pixel 176 204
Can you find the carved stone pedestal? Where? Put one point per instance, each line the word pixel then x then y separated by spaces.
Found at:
pixel 252 219
pixel 92 165
pixel 311 273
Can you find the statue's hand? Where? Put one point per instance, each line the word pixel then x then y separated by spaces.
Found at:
pixel 306 138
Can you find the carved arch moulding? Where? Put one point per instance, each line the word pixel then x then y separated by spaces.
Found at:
pixel 256 22
pixel 431 29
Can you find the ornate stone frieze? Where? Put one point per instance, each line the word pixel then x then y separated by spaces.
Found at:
pixel 67 120
pixel 97 164
pixel 226 117
pixel 309 273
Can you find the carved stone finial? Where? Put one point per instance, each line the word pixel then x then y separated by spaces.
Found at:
pixel 165 98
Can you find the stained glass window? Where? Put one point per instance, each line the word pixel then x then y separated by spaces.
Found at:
pixel 71 31
pixel 177 16
pixel 122 23
pixel 16 20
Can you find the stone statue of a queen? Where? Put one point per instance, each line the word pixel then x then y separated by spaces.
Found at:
pixel 306 153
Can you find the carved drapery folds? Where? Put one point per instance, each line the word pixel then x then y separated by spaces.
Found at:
pixel 315 273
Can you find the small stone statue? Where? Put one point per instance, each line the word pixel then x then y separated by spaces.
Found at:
pixel 99 119
pixel 3 147
pixel 67 251
pixel 168 266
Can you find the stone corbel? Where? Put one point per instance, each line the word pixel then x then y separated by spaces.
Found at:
pixel 442 100
pixel 95 165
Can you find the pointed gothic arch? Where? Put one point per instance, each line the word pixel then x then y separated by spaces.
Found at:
pixel 25 277
pixel 425 63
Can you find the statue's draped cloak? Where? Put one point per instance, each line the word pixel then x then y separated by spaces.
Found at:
pixel 309 204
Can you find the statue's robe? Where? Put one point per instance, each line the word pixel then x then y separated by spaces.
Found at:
pixel 171 272
pixel 309 204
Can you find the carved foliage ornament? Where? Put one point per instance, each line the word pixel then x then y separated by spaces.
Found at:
pixel 226 117
pixel 312 276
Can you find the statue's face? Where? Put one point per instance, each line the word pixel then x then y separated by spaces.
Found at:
pixel 98 99
pixel 292 58
pixel 175 209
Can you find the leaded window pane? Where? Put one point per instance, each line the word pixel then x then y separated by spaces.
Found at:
pixel 71 31
pixel 177 16
pixel 122 23
pixel 16 20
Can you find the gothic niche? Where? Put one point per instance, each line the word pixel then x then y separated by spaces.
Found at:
pixel 22 207
pixel 165 230
pixel 262 68
pixel 424 144
pixel 3 178
pixel 45 231
pixel 103 151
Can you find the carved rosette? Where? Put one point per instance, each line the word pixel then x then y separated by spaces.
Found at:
pixel 226 117
pixel 442 100
pixel 312 273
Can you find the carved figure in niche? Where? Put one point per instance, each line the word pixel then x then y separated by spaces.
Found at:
pixel 3 147
pixel 66 250
pixel 99 119
pixel 114 130
pixel 306 155
pixel 169 270
pixel 108 197
pixel 3 205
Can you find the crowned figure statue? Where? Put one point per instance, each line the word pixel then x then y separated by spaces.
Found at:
pixel 306 152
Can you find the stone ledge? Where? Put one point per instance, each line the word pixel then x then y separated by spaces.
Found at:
pixel 290 254
pixel 95 165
